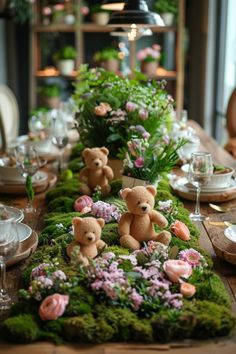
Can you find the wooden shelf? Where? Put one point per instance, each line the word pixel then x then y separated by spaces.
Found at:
pixel 166 74
pixel 54 73
pixel 55 27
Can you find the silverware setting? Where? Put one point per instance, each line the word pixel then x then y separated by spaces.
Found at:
pixel 221 209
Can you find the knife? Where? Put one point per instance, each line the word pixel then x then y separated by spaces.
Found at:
pixel 220 223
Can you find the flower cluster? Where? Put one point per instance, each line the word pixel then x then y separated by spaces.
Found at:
pixel 136 280
pixel 193 257
pixel 109 212
pixel 149 54
pixel 108 105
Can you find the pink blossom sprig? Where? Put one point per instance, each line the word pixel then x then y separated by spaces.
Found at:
pixel 109 212
pixel 192 257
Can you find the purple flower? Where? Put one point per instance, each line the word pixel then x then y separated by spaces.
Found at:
pixel 39 270
pixel 106 211
pixel 139 128
pixel 146 135
pixel 109 255
pixel 139 162
pixel 136 299
pixel 45 282
pixel 130 106
pixel 59 274
pixel 143 113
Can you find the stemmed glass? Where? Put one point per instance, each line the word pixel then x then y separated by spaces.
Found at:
pixel 200 172
pixel 28 162
pixel 9 243
pixel 59 135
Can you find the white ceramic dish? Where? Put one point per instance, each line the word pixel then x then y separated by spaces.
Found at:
pixel 183 183
pixel 39 177
pixel 23 231
pixel 230 233
pixel 14 213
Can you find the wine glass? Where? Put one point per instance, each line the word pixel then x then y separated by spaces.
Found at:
pixel 200 172
pixel 9 243
pixel 28 162
pixel 59 134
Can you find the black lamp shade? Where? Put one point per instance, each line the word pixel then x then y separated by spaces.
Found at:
pixel 135 12
pixel 113 5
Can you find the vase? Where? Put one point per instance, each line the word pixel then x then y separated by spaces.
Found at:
pixel 66 66
pixel 150 68
pixel 111 65
pixel 130 182
pixel 116 166
pixel 100 18
pixel 168 18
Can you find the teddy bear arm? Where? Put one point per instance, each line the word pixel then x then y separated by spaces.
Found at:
pixel 70 247
pixel 124 224
pixel 158 219
pixel 108 172
pixel 84 173
pixel 100 245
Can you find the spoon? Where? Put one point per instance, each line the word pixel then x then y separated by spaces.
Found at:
pixel 221 209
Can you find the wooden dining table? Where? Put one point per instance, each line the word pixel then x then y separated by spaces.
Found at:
pixel 226 271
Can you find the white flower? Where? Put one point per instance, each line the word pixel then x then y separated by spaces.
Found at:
pixel 165 205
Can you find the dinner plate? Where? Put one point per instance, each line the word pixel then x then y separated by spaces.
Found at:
pixel 14 213
pixel 25 249
pixel 22 230
pixel 206 190
pixel 230 233
pixel 39 177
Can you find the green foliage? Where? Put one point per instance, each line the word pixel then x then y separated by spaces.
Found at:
pixel 50 90
pixel 117 250
pixel 97 8
pixel 76 164
pixel 116 186
pixel 61 204
pixel 80 328
pixel 21 10
pixel 163 6
pixel 65 53
pixel 106 54
pixel 20 329
pixel 29 188
pixel 110 234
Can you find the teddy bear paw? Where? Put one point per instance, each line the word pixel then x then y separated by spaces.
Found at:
pixel 164 237
pixel 85 190
pixel 129 242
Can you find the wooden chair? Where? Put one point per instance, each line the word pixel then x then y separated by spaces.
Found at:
pixel 9 117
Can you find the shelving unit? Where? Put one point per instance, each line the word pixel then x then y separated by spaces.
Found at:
pixel 174 77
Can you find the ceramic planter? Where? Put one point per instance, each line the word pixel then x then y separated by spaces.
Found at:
pixel 111 65
pixel 100 18
pixel 150 68
pixel 66 67
pixel 168 18
pixel 130 182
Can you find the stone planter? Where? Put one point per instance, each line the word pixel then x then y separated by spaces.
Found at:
pixel 168 18
pixel 111 65
pixel 130 182
pixel 149 69
pixel 116 166
pixel 100 18
pixel 66 67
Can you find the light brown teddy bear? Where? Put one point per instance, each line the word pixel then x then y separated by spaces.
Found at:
pixel 87 233
pixel 137 225
pixel 96 172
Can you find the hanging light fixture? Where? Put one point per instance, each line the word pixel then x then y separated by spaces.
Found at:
pixel 131 34
pixel 113 5
pixel 135 12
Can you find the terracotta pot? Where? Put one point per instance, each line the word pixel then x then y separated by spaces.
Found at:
pixel 130 182
pixel 111 65
pixel 150 69
pixel 116 166
pixel 66 66
pixel 100 18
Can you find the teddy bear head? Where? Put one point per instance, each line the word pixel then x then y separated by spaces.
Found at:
pixel 87 230
pixel 96 157
pixel 139 200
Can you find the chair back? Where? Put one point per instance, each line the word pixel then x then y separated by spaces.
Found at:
pixel 9 115
pixel 231 115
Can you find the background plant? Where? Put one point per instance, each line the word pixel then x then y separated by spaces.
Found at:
pixel 65 53
pixel 163 6
pixel 106 54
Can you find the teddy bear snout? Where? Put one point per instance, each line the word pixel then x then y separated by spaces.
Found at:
pixel 90 236
pixel 97 162
pixel 144 208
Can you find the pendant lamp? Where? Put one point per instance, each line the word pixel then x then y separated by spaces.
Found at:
pixel 113 5
pixel 131 34
pixel 135 12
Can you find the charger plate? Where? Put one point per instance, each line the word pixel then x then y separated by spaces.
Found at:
pixel 26 248
pixel 180 188
pixel 39 186
pixel 224 249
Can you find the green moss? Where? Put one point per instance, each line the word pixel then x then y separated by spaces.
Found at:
pixel 110 234
pixel 76 164
pixel 77 150
pixel 61 204
pixel 66 189
pixel 120 203
pixel 52 330
pixel 141 331
pixel 118 250
pixel 20 329
pixel 103 331
pixel 116 186
pixel 80 329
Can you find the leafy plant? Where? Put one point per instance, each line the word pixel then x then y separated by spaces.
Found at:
pixel 97 8
pixel 50 90
pixel 21 9
pixel 106 54
pixel 65 53
pixel 149 54
pixel 163 6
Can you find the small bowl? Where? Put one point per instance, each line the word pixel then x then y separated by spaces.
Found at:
pixel 221 180
pixel 9 173
pixel 230 233
pixel 224 249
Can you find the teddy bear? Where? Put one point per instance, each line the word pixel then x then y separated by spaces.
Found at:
pixel 137 225
pixel 87 233
pixel 96 173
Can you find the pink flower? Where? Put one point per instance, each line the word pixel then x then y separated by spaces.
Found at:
pixel 139 162
pixel 136 299
pixel 177 269
pixel 83 202
pixel 146 135
pixel 191 256
pixel 53 306
pixel 40 270
pixel 143 114
pixel 130 106
pixel 180 230
pixel 187 290
pixel 84 10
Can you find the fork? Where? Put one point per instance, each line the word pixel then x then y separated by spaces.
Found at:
pixel 221 209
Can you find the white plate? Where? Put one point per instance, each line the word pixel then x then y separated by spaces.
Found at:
pixel 39 177
pixel 23 231
pixel 230 233
pixel 14 213
pixel 183 184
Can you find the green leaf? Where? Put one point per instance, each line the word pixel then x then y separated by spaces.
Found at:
pixel 113 137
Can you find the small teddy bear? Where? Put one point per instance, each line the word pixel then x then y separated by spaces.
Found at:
pixel 137 225
pixel 96 173
pixel 87 233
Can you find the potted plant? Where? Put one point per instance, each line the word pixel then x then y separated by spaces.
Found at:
pixel 65 60
pixel 108 58
pixel 168 9
pixel 99 15
pixel 50 95
pixel 149 58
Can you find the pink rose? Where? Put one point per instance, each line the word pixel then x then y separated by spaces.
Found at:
pixel 187 290
pixel 139 162
pixel 53 306
pixel 176 269
pixel 130 106
pixel 180 230
pixel 83 202
pixel 143 114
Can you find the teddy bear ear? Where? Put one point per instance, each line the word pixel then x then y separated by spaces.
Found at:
pixel 152 190
pixel 76 220
pixel 101 222
pixel 124 193
pixel 104 150
pixel 86 152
